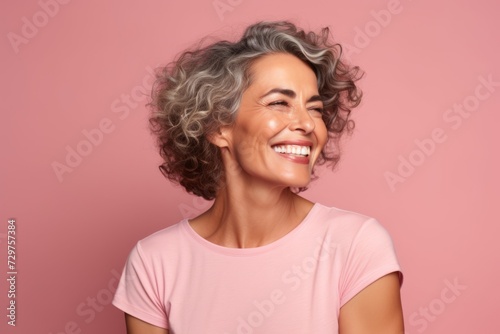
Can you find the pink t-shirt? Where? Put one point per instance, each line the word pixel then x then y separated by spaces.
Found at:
pixel 176 279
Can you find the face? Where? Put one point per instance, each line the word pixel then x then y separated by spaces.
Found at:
pixel 278 133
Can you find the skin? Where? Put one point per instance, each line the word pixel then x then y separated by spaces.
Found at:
pixel 256 206
pixel 136 326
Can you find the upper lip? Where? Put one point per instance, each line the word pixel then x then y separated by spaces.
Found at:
pixel 294 142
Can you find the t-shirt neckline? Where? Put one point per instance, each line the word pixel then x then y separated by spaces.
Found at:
pixel 194 236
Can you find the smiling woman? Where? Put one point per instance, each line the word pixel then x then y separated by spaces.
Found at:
pixel 245 123
pixel 275 125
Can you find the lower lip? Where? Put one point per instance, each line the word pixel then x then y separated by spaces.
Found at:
pixel 295 158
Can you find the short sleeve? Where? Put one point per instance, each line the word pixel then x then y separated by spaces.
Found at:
pixel 371 256
pixel 137 293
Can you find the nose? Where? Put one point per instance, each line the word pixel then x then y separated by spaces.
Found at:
pixel 301 120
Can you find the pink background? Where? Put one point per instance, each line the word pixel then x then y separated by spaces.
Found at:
pixel 87 66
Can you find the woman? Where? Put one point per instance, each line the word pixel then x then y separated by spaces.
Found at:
pixel 244 124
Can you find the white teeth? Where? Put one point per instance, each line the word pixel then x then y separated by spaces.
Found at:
pixel 293 149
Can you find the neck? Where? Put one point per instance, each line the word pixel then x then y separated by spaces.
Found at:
pixel 245 216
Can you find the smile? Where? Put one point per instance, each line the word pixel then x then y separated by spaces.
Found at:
pixel 293 149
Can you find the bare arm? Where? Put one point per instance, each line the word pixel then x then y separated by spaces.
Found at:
pixel 375 310
pixel 136 326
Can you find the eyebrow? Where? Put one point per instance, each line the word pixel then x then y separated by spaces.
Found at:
pixel 291 94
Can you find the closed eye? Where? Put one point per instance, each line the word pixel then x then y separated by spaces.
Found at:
pixel 316 109
pixel 281 103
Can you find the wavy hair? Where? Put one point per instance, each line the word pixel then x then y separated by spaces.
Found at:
pixel 201 90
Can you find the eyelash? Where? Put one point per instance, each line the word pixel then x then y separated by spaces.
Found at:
pixel 284 103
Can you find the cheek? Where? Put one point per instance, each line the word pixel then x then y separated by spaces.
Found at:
pixel 249 142
pixel 274 124
pixel 261 130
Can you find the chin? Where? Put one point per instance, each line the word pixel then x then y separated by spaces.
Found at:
pixel 299 183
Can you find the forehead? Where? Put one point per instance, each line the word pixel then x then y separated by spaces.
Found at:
pixel 282 69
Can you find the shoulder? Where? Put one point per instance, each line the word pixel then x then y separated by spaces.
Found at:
pixel 164 241
pixel 348 228
pixel 159 254
pixel 362 245
pixel 340 219
pixel 332 212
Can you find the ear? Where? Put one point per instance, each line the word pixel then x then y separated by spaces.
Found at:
pixel 220 137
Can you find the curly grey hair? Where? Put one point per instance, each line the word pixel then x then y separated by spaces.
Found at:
pixel 201 90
